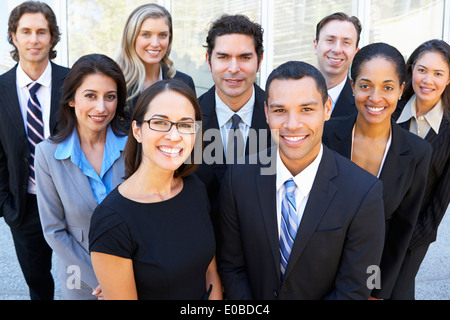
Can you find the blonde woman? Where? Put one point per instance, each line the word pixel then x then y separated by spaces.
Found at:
pixel 146 45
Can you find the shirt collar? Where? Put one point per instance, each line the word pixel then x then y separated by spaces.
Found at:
pixel 335 92
pixel 433 117
pixel 304 180
pixel 44 80
pixel 71 148
pixel 224 113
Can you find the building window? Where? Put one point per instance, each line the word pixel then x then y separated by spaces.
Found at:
pixel 95 26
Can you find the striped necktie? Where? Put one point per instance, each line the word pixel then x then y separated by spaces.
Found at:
pixel 289 224
pixel 35 126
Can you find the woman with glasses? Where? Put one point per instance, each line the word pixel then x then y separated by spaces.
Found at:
pixel 79 165
pixel 152 237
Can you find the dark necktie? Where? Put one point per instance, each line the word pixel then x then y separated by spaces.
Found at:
pixel 35 126
pixel 235 141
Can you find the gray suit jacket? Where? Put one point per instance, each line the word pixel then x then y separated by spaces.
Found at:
pixel 66 203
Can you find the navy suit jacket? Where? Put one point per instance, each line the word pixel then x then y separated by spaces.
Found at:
pixel 340 235
pixel 14 150
pixel 404 176
pixel 437 193
pixel 345 105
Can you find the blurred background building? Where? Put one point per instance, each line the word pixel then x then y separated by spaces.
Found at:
pixel 90 26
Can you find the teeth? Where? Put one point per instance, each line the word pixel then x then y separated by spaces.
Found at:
pixel 170 150
pixel 427 89
pixel 375 109
pixel 153 52
pixel 294 139
pixel 97 118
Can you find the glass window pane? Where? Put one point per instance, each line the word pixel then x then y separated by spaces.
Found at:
pixel 95 26
pixel 406 24
pixel 295 27
pixel 191 20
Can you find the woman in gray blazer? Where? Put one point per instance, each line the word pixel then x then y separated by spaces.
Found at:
pixel 79 165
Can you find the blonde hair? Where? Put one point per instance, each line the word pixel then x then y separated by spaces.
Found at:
pixel 132 66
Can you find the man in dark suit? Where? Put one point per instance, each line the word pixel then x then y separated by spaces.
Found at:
pixel 336 43
pixel 309 224
pixel 234 55
pixel 33 32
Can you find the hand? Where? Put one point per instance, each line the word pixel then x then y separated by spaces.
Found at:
pixel 98 293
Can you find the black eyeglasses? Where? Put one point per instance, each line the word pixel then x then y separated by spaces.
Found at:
pixel 163 125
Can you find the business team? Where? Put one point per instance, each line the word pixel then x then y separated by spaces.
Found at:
pixel 307 224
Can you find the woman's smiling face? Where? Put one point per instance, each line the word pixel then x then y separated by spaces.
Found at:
pixel 166 150
pixel 430 77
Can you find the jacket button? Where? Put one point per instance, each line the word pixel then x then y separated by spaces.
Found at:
pixel 275 293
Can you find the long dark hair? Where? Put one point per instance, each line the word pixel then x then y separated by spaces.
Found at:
pixel 434 45
pixel 88 65
pixel 133 149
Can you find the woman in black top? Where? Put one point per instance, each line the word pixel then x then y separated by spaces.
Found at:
pixel 372 140
pixel 152 237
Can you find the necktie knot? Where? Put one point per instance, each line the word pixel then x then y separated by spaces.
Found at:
pixel 33 87
pixel 235 120
pixel 290 187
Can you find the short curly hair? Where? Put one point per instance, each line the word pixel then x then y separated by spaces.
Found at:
pixel 232 24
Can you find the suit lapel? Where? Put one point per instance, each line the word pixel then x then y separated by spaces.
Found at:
pixel 397 159
pixel 266 190
pixel 118 170
pixel 9 93
pixel 437 139
pixel 345 105
pixel 80 182
pixel 258 123
pixel 57 82
pixel 342 136
pixel 322 192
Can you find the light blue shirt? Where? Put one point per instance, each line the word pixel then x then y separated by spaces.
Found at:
pixel 101 184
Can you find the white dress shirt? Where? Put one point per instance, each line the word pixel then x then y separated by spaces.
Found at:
pixel 224 114
pixel 304 181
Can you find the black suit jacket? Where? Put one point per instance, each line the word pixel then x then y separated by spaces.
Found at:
pixel 345 105
pixel 14 150
pixel 404 176
pixel 212 173
pixel 437 193
pixel 340 235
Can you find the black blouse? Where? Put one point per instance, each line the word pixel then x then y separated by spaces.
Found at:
pixel 171 242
